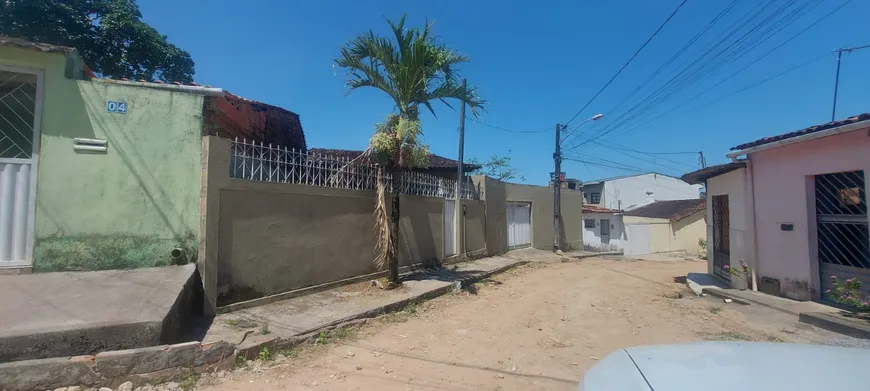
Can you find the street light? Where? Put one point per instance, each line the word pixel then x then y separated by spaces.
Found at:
pixel 557 188
pixel 595 117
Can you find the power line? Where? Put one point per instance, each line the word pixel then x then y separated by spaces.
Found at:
pixel 508 130
pixel 611 127
pixel 627 62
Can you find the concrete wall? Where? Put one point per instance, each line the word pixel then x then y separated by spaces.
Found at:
pixel 493 192
pixel 263 238
pixel 629 192
pixel 129 206
pixel 784 193
pixel 592 236
pixel 542 215
pixel 667 236
pixel 688 231
pixel 735 185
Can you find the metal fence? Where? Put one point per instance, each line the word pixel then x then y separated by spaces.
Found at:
pixel 263 162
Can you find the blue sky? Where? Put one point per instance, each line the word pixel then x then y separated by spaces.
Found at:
pixel 537 64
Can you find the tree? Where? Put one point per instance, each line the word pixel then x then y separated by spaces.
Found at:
pixel 414 69
pixel 498 167
pixel 109 34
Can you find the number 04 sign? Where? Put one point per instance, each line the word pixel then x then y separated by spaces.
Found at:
pixel 116 107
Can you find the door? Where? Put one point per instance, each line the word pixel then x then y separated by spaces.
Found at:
pixel 637 239
pixel 20 112
pixel 519 218
pixel 449 228
pixel 721 237
pixel 605 233
pixel 841 219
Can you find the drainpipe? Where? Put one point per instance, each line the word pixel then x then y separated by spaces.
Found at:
pixel 750 223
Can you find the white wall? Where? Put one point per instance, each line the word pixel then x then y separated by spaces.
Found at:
pixel 630 192
pixel 740 217
pixel 592 236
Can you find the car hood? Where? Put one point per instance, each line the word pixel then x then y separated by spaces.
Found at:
pixel 714 366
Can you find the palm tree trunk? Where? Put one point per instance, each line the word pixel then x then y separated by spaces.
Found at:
pixel 393 261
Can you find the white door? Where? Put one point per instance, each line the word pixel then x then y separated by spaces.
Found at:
pixel 449 228
pixel 519 219
pixel 637 241
pixel 20 112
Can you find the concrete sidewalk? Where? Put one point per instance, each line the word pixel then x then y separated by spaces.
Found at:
pixel 810 312
pixel 303 315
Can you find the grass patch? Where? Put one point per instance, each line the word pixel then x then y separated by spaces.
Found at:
pixel 264 355
pixel 404 315
pixel 188 382
pixel 241 361
pixel 725 336
pixel 715 309
pixel 264 329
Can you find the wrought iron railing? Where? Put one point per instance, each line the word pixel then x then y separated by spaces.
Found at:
pixel 263 162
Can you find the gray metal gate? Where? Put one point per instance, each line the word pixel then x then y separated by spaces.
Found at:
pixel 721 236
pixel 843 238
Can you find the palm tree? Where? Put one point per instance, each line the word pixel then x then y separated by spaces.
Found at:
pixel 414 69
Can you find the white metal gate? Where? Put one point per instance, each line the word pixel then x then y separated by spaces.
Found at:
pixel 519 219
pixel 20 112
pixel 449 228
pixel 637 241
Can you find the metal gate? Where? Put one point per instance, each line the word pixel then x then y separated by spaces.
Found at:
pixel 519 219
pixel 637 239
pixel 841 218
pixel 449 228
pixel 605 233
pixel 20 112
pixel 721 236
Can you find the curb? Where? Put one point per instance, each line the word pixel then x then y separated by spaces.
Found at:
pixel 584 256
pixel 253 349
pixel 724 295
pixel 836 324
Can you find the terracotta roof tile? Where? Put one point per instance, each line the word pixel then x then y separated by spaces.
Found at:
pixel 598 209
pixel 672 210
pixel 811 129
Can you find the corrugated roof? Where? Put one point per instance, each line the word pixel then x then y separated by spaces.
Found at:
pixel 42 47
pixel 699 176
pixel 672 210
pixel 811 129
pixel 435 161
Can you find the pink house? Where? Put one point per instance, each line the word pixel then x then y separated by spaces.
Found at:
pixel 794 208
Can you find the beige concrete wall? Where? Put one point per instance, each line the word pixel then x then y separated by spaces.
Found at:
pixel 667 236
pixel 262 238
pixel 475 227
pixel 688 231
pixel 497 194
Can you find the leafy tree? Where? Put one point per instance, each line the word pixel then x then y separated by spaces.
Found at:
pixel 109 34
pixel 414 69
pixel 498 167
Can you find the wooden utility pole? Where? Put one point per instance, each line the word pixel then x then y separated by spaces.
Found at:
pixel 458 215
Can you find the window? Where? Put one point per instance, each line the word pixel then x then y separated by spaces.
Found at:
pixel 589 223
pixel 595 198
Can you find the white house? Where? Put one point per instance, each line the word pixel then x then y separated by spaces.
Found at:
pixel 603 229
pixel 632 191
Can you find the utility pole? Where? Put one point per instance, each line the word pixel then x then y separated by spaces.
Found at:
pixel 701 159
pixel 458 216
pixel 557 190
pixel 837 75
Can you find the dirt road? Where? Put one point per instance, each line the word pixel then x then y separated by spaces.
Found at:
pixel 537 327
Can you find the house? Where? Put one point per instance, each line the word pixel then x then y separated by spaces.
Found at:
pixel 603 229
pixel 631 191
pixel 793 207
pixel 106 174
pixel 665 226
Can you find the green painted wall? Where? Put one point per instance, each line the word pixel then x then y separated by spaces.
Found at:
pixel 124 208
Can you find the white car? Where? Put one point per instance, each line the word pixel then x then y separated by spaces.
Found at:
pixel 731 366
